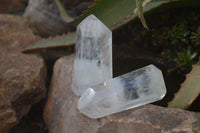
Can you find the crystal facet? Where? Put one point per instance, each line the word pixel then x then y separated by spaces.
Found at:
pixel 130 90
pixel 93 59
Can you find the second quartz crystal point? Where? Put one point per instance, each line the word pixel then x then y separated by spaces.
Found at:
pixel 143 86
pixel 93 59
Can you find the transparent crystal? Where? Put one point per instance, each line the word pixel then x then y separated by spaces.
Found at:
pixel 130 90
pixel 93 59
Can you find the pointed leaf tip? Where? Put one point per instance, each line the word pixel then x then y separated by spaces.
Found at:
pixel 58 41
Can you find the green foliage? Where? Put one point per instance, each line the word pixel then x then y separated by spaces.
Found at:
pixel 196 37
pixel 181 50
pixel 185 59
pixel 59 41
pixel 178 39
pixel 178 35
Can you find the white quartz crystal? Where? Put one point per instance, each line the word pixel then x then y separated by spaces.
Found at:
pixel 93 59
pixel 142 86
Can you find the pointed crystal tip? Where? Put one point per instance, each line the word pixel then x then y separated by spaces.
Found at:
pixel 86 98
pixel 91 16
pixel 92 22
pixel 93 55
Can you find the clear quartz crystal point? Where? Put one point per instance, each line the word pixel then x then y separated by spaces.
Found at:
pixel 93 59
pixel 130 90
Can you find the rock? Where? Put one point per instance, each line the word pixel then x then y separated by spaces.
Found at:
pixel 45 17
pixel 22 76
pixel 7 114
pixel 61 114
pixel 7 6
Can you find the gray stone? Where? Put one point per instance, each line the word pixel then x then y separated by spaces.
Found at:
pixel 45 17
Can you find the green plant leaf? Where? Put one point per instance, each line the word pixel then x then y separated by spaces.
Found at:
pixel 63 13
pixel 189 90
pixel 59 41
pixel 116 13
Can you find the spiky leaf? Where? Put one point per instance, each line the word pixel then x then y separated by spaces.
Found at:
pixel 63 13
pixel 59 41
pixel 115 13
pixel 189 90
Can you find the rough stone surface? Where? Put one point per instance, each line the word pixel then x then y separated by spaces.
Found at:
pixel 7 6
pixel 44 15
pixel 61 114
pixel 22 76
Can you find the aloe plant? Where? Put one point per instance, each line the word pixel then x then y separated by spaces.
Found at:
pixel 59 41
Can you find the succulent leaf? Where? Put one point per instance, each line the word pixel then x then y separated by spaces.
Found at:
pixel 63 13
pixel 189 90
pixel 59 41
pixel 117 13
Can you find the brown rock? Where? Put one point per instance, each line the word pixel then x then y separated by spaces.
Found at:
pixel 61 114
pixel 7 6
pixel 7 114
pixel 22 77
